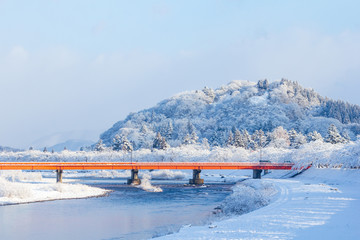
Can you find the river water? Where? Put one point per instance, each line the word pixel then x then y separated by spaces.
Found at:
pixel 127 213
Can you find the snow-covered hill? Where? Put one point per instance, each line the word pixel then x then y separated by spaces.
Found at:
pixel 213 114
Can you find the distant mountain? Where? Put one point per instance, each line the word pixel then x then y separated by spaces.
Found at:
pixel 71 145
pixel 8 149
pixel 60 138
pixel 213 113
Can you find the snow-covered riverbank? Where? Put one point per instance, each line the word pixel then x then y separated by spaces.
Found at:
pixel 18 187
pixel 318 204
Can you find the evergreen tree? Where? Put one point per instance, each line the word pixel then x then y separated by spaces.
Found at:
pixel 160 142
pixel 45 149
pixel 263 84
pixel 205 143
pixel 246 139
pixel 190 127
pixel 143 130
pixel 299 140
pixel 258 139
pixel 292 136
pixel 314 136
pixel 346 136
pixel 334 136
pixel 163 144
pixel 99 147
pixel 230 141
pixel 168 130
pixel 116 143
pixel 125 145
pixel 187 140
pixel 190 139
pixel 194 138
pixel 238 140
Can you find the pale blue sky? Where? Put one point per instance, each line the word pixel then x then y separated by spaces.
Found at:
pixel 82 66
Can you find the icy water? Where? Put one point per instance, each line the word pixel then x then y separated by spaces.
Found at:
pixel 127 213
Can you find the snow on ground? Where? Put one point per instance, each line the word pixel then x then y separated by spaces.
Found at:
pixel 24 187
pixel 318 204
pixel 318 153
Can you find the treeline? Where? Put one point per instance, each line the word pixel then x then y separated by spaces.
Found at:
pixel 344 112
pixel 278 138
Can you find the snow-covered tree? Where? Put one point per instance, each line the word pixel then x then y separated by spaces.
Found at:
pixel 246 139
pixel 230 140
pixel 263 84
pixel 190 139
pixel 210 93
pixel 314 136
pixel 187 140
pixel 258 139
pixel 205 143
pixel 143 130
pixel 194 137
pixel 292 136
pixel 45 149
pixel 125 145
pixel 163 144
pixel 167 130
pixel 116 146
pixel 160 142
pixel 190 127
pixel 279 138
pixel 346 136
pixel 299 140
pixel 238 140
pixel 334 136
pixel 99 147
pixel 296 138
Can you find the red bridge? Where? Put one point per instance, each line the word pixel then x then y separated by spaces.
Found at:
pixel 136 166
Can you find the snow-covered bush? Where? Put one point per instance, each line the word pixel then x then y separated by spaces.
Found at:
pixel 248 196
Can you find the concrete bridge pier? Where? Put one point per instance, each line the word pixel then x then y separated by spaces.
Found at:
pixel 135 180
pixel 196 178
pixel 59 175
pixel 257 173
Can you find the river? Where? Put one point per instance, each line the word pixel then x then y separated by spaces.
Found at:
pixel 126 213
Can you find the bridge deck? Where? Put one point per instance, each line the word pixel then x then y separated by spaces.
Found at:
pixel 141 165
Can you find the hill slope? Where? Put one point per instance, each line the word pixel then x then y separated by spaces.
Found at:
pixel 212 114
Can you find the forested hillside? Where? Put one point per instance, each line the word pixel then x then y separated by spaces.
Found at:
pixel 254 113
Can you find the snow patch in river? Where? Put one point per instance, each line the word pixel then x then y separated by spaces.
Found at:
pixel 25 187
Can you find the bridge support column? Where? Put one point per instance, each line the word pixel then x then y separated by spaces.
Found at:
pixel 135 180
pixel 196 178
pixel 257 173
pixel 59 175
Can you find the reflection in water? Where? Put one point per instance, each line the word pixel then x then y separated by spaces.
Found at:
pixel 127 213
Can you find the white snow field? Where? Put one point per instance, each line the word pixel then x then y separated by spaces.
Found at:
pixel 25 187
pixel 318 204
